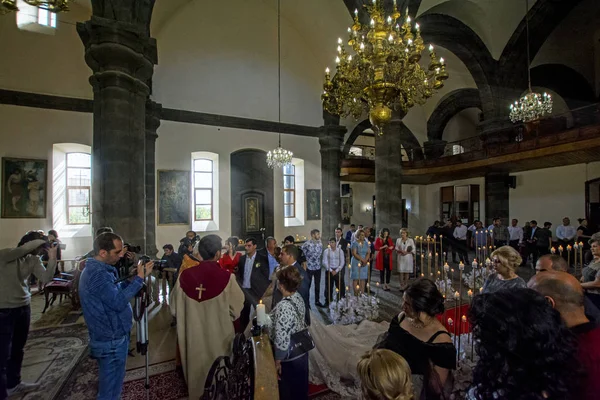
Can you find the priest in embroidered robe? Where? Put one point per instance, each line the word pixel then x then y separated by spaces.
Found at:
pixel 206 300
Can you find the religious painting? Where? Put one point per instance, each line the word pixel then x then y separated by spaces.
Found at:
pixel 313 204
pixel 173 197
pixel 24 188
pixel 346 209
pixel 251 213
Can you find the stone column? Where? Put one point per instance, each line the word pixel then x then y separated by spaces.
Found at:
pixel 122 55
pixel 496 197
pixel 331 138
pixel 153 110
pixel 388 178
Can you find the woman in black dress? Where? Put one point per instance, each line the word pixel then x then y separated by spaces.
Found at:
pixel 422 340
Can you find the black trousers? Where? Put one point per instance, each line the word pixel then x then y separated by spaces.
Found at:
pixel 337 281
pixel 499 243
pixel 317 275
pixel 294 379
pixel 461 249
pixel 14 328
pixel 386 272
pixel 539 251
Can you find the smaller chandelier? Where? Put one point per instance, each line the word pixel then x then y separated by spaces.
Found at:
pixel 531 107
pixel 7 6
pixel 54 6
pixel 279 157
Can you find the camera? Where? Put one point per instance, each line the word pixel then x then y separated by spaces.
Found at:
pixel 159 265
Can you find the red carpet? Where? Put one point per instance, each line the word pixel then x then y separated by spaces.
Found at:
pixel 314 390
pixel 166 386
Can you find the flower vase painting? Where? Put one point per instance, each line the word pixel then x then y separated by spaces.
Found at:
pixel 24 188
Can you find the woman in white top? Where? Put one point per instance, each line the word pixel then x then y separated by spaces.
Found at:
pixel 405 247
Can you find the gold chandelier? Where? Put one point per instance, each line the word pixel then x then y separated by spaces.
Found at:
pixel 54 6
pixel 383 73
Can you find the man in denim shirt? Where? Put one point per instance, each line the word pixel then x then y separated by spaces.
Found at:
pixel 107 311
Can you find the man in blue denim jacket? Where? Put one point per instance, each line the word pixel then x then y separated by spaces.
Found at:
pixel 107 311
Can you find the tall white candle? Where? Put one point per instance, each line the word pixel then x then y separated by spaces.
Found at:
pixel 261 314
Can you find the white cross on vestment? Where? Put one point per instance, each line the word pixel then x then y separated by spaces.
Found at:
pixel 200 290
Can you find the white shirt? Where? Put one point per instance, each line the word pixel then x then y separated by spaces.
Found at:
pixel 460 232
pixel 566 232
pixel 248 271
pixel 516 233
pixel 333 259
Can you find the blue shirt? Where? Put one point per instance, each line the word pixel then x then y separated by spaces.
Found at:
pixel 272 263
pixel 106 305
pixel 248 271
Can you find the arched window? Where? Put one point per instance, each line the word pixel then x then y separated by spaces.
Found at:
pixel 205 191
pixel 79 178
pixel 293 193
pixel 71 189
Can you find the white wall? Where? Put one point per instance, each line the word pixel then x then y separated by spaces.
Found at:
pixel 215 60
pixel 40 63
pixel 176 141
pixel 30 133
pixel 551 194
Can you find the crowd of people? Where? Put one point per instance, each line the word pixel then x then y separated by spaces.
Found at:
pixel 216 288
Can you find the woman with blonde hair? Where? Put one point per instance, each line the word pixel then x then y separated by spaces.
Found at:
pixel 505 261
pixel 405 247
pixel 384 375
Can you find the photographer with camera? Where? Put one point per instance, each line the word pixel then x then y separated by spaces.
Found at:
pixel 16 265
pixel 107 311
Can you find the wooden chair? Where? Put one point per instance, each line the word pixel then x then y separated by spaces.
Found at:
pixel 65 285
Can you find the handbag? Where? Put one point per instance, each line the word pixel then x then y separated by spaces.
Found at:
pixel 301 342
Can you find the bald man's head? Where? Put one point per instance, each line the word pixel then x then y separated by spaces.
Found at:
pixel 562 290
pixel 551 262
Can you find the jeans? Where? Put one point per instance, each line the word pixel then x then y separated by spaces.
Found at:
pixel 14 328
pixel 111 357
pixel 317 274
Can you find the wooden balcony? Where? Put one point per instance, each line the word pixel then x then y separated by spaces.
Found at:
pixel 537 147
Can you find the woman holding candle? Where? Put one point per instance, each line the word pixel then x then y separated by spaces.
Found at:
pixel 423 341
pixel 361 253
pixel 384 247
pixel 505 262
pixel 284 320
pixel 405 247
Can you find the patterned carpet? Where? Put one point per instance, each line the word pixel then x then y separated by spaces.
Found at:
pixel 50 355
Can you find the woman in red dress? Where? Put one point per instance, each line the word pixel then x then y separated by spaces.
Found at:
pixel 229 260
pixel 384 246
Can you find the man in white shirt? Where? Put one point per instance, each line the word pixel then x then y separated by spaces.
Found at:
pixel 515 233
pixel 333 261
pixel 565 234
pixel 460 235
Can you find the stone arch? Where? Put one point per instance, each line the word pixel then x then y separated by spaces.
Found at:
pixel 408 139
pixel 450 105
pixel 565 81
pixel 455 36
pixel 544 16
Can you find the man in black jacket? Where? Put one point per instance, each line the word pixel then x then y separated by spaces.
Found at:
pixel 253 277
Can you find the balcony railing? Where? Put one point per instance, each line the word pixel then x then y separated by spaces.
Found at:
pixel 514 135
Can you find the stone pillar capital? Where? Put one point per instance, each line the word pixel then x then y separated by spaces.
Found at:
pixel 331 137
pixel 153 112
pixel 117 47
